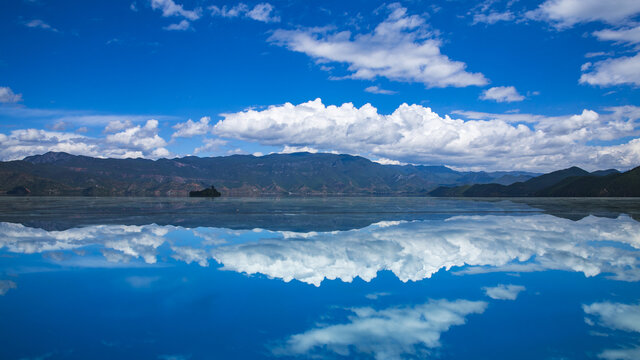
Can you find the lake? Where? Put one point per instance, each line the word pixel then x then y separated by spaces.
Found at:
pixel 364 278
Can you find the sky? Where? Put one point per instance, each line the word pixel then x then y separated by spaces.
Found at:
pixel 474 85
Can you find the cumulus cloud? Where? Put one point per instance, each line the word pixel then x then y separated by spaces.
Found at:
pixel 502 94
pixel 416 134
pixel 615 71
pixel 145 138
pixel 401 48
pixel 377 90
pixel 170 8
pixel 191 128
pixel 503 292
pixel 39 24
pixel 389 333
pixel 261 12
pixel 123 141
pixel 7 96
pixel 566 13
pixel 416 250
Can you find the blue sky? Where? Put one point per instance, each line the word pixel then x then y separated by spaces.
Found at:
pixel 493 85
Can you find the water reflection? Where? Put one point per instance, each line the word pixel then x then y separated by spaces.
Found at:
pixel 390 333
pixel 144 275
pixel 620 317
pixel 412 250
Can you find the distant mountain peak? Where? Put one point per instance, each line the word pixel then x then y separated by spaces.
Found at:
pixel 49 157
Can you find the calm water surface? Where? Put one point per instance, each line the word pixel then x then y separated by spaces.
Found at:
pixel 363 278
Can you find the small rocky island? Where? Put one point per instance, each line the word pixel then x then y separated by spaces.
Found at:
pixel 209 192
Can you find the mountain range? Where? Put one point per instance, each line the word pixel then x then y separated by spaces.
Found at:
pixel 58 173
pixel 62 174
pixel 571 182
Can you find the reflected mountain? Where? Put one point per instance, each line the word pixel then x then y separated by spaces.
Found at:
pixel 287 214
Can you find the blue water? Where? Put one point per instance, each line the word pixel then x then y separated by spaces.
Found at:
pixel 363 278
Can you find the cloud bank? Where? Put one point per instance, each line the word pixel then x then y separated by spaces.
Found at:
pixel 416 134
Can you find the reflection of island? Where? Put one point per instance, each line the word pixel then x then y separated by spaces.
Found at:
pixel 208 192
pixel 412 250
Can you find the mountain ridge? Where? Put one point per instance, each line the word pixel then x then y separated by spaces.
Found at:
pixel 56 173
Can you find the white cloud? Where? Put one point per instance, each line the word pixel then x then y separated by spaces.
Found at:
pixel 261 12
pixel 615 315
pixel 401 48
pixel 39 24
pixel 170 8
pixel 502 94
pixel 566 13
pixel 297 149
pixel 117 125
pixel 629 35
pixel 492 17
pixel 416 250
pixel 191 128
pixel 210 145
pixel 376 90
pixel 387 333
pixel 125 142
pixel 416 134
pixel 7 96
pixel 503 292
pixel 6 285
pixel 189 255
pixel 144 138
pixel 412 250
pixel 121 240
pixel 616 71
pixel 385 161
pixel 181 26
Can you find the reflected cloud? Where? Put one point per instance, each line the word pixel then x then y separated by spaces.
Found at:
pixel 389 333
pixel 418 249
pixel 616 316
pixel 412 250
pixel 503 292
pixel 6 285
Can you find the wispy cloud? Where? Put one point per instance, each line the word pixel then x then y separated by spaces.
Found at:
pixel 401 48
pixel 261 12
pixel 377 90
pixel 39 24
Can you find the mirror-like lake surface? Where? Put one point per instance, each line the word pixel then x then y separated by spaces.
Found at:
pixel 364 278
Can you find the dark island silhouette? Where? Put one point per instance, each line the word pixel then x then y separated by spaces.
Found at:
pixel 208 192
